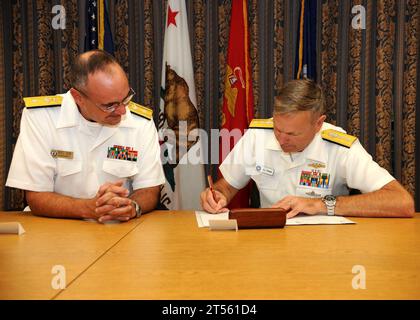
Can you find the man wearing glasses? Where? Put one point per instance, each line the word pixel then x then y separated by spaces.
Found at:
pixel 90 153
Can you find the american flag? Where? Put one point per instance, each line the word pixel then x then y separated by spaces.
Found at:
pixel 98 32
pixel 306 53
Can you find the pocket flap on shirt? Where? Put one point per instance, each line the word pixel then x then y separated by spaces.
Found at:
pixel 120 168
pixel 66 167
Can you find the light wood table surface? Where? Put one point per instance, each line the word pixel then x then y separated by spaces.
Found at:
pixel 26 261
pixel 168 257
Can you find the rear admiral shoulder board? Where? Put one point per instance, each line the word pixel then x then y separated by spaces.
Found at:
pixel 261 124
pixel 140 110
pixel 42 101
pixel 338 137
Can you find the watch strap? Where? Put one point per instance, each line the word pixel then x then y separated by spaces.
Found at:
pixel 330 210
pixel 137 208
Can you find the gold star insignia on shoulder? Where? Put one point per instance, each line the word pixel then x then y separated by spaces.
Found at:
pixel 43 101
pixel 141 111
pixel 261 123
pixel 338 137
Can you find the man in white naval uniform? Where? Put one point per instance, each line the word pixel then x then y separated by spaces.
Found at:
pixel 84 154
pixel 302 164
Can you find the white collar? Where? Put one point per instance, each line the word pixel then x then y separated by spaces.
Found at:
pixel 312 151
pixel 70 114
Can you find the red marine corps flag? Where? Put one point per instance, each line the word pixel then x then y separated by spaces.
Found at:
pixel 238 100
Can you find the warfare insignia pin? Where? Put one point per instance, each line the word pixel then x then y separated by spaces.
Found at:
pixel 316 165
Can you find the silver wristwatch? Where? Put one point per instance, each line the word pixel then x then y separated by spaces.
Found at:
pixel 330 202
pixel 137 208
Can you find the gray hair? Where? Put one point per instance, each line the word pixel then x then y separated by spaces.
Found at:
pixel 300 95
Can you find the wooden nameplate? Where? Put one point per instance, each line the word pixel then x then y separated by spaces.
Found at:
pixel 248 218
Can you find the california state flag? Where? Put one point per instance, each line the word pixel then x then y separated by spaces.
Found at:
pixel 238 100
pixel 181 148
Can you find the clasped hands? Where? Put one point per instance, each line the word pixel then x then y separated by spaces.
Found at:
pixel 112 203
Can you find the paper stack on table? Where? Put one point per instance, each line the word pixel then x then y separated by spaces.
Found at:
pixel 204 217
pixel 301 219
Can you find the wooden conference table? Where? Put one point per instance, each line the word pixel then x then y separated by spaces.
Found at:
pixel 164 255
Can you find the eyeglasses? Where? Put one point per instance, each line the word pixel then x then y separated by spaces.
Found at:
pixel 111 106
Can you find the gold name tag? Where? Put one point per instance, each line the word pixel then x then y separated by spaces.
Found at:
pixel 62 154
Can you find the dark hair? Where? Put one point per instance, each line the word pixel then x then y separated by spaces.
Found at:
pixel 87 63
pixel 300 95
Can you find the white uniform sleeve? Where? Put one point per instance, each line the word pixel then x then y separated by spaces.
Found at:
pixel 32 166
pixel 150 166
pixel 233 168
pixel 362 172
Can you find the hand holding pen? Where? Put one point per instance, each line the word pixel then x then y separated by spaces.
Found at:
pixel 212 200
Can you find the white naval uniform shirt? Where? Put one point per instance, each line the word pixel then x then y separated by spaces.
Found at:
pixel 64 128
pixel 258 156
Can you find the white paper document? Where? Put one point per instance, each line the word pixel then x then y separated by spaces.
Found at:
pixel 300 220
pixel 203 218
pixel 11 227
pixel 317 219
